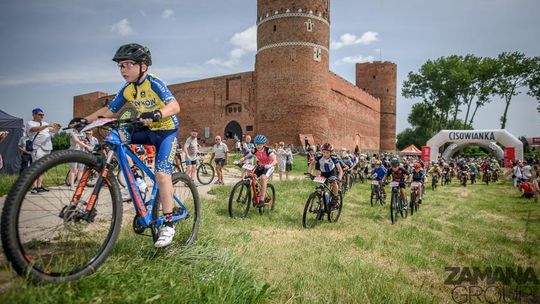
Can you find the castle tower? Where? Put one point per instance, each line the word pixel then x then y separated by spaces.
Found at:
pixel 292 69
pixel 380 80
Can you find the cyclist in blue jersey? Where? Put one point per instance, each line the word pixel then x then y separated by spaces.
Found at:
pixel 158 109
pixel 329 166
pixel 379 173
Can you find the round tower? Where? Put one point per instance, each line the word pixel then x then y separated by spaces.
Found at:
pixel 292 69
pixel 380 80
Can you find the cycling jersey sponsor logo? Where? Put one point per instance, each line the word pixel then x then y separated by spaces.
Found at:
pixel 150 103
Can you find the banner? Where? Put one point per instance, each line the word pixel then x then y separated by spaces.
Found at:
pixel 426 151
pixel 509 156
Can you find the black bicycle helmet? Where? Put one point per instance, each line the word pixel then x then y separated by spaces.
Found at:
pixel 135 52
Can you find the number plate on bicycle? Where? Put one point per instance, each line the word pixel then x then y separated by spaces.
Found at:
pixel 394 184
pixel 320 179
pixel 415 184
pixel 374 182
pixel 97 123
pixel 248 167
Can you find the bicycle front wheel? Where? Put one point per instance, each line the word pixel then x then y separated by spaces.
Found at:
pixel 186 200
pixel 313 210
pixel 238 199
pixel 205 173
pixel 49 235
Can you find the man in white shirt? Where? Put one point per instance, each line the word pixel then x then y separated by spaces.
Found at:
pixel 220 153
pixel 40 133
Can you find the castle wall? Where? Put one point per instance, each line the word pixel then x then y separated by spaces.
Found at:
pixel 203 104
pixel 355 117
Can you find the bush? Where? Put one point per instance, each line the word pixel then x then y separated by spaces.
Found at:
pixel 61 141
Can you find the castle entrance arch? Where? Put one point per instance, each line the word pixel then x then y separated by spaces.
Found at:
pixel 477 137
pixel 233 129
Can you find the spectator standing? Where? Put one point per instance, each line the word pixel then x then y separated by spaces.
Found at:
pixel 526 171
pixel 516 173
pixel 289 161
pixel 281 159
pixel 77 143
pixel 191 149
pixel 26 157
pixel 220 153
pixel 238 146
pixel 40 133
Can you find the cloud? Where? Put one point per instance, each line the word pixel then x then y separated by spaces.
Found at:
pixel 122 28
pixel 355 59
pixel 143 13
pixel 351 39
pixel 244 42
pixel 167 13
pixel 71 75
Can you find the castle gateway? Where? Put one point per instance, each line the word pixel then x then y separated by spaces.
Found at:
pixel 291 91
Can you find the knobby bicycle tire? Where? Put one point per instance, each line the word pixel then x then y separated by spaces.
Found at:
pixel 313 210
pixel 25 256
pixel 184 230
pixel 242 188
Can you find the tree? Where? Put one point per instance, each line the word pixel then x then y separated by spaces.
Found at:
pixel 514 71
pixel 534 81
pixel 61 141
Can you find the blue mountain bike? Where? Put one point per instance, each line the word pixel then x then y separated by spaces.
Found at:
pixel 62 235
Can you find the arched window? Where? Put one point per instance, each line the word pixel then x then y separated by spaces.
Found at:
pixel 233 108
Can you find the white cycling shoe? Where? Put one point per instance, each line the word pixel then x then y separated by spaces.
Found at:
pixel 166 236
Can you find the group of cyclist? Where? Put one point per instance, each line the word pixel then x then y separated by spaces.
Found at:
pixel 158 110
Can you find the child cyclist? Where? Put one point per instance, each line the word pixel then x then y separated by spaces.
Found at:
pixel 330 168
pixel 158 108
pixel 266 160
pixel 379 173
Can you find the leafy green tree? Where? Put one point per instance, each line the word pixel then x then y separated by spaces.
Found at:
pixel 61 141
pixel 514 71
pixel 534 82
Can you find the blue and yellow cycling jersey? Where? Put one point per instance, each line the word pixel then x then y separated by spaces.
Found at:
pixel 149 95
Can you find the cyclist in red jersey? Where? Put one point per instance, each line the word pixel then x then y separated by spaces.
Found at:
pixel 266 160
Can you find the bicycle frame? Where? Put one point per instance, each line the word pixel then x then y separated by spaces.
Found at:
pixel 144 210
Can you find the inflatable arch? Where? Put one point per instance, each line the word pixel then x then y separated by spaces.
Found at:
pixel 478 137
pixel 456 147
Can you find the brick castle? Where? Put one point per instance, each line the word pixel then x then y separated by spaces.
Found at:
pixel 292 93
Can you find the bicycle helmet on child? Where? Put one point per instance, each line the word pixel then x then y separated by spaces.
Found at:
pixel 135 52
pixel 394 162
pixel 260 140
pixel 327 147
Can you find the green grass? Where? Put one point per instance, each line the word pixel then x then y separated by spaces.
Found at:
pixel 6 181
pixel 362 258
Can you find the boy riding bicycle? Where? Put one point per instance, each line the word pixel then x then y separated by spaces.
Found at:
pixel 379 173
pixel 330 168
pixel 400 175
pixel 266 160
pixel 158 108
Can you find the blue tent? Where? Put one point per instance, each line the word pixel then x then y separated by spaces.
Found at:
pixel 8 147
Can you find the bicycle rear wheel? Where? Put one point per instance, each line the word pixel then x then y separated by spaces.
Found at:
pixel 186 199
pixel 335 209
pixel 269 200
pixel 205 173
pixel 48 236
pixel 313 210
pixel 238 199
